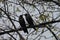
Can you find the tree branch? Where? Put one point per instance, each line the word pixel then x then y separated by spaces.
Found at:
pixel 31 26
pixel 12 23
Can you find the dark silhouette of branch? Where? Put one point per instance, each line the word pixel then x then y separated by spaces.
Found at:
pixel 11 18
pixel 9 34
pixel 42 23
pixel 40 26
pixel 26 3
pixel 52 33
pixel 5 3
pixel 12 23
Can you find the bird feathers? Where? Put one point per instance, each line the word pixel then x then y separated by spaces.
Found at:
pixel 30 20
pixel 22 23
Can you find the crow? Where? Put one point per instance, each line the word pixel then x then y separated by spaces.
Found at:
pixel 29 20
pixel 22 23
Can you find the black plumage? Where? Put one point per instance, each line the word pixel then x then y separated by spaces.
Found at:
pixel 22 23
pixel 29 20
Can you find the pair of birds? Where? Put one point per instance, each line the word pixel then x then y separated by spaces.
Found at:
pixel 28 19
pixel 57 3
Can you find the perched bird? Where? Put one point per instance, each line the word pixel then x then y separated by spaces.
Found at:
pixel 57 3
pixel 22 23
pixel 29 20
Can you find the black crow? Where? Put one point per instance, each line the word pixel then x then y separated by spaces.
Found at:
pixel 29 20
pixel 22 23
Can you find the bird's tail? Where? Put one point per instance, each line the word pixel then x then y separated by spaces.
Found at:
pixel 34 28
pixel 25 30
